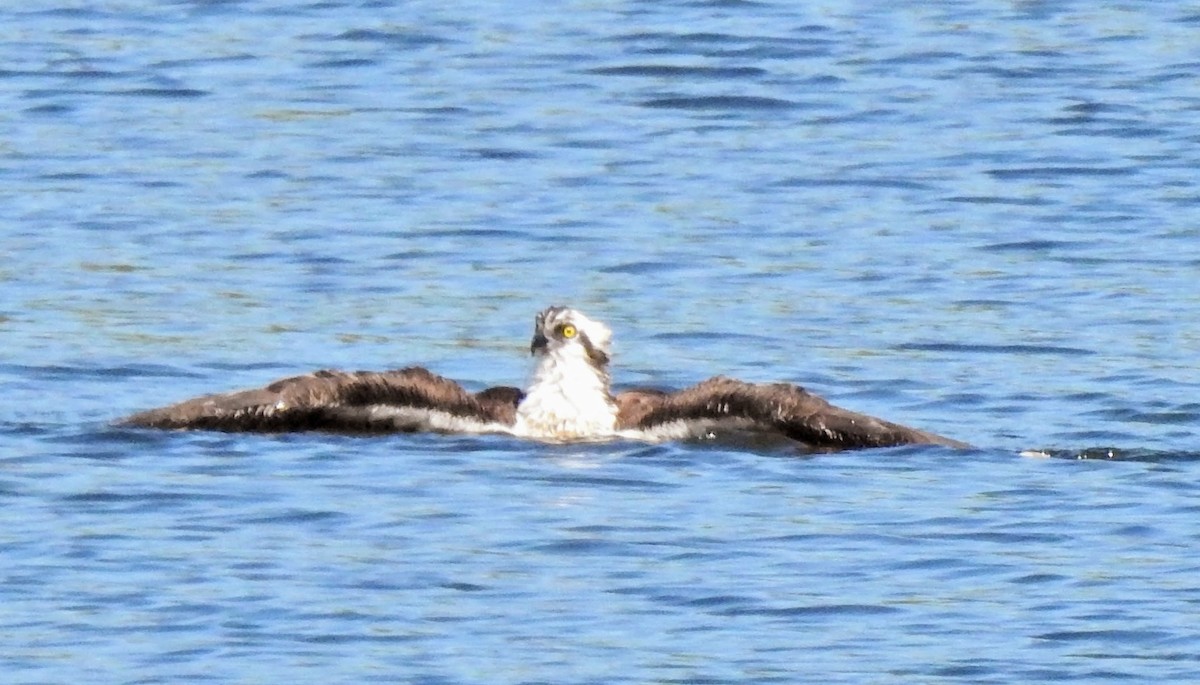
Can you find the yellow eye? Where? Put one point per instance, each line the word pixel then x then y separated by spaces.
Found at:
pixel 568 331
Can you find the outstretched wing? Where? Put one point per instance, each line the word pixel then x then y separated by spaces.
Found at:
pixel 411 399
pixel 723 404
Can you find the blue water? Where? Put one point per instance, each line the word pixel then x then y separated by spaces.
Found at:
pixel 978 218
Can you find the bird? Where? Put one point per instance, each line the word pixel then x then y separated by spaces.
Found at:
pixel 569 399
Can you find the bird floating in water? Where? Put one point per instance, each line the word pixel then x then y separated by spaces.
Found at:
pixel 568 400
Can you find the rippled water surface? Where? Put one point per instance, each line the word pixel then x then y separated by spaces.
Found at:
pixel 978 218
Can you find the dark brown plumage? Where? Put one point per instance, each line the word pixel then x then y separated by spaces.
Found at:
pixel 337 401
pixel 729 404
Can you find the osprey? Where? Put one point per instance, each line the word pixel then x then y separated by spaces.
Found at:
pixel 569 399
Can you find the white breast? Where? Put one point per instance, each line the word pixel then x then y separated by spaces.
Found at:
pixel 567 400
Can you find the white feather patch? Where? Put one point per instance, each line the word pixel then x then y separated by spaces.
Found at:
pixel 567 400
pixel 689 429
pixel 417 419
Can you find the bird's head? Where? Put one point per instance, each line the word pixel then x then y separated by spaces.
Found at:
pixel 565 330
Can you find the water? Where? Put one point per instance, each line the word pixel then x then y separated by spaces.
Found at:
pixel 976 218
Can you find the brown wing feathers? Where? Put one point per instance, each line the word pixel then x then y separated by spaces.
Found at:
pixel 318 401
pixel 781 407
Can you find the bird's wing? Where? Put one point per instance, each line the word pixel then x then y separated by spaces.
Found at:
pixel 408 399
pixel 724 404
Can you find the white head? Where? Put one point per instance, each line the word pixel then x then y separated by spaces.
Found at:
pixel 565 332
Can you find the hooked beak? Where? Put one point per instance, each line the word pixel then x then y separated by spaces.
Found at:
pixel 539 343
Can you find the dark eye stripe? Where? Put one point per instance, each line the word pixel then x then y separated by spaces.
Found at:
pixel 595 354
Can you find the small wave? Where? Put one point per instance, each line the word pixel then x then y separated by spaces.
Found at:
pixel 721 102
pixel 997 200
pixel 1030 246
pixel 642 267
pixel 677 71
pixel 878 182
pixel 1115 454
pixel 1048 172
pixel 173 93
pixel 995 349
pixel 403 39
